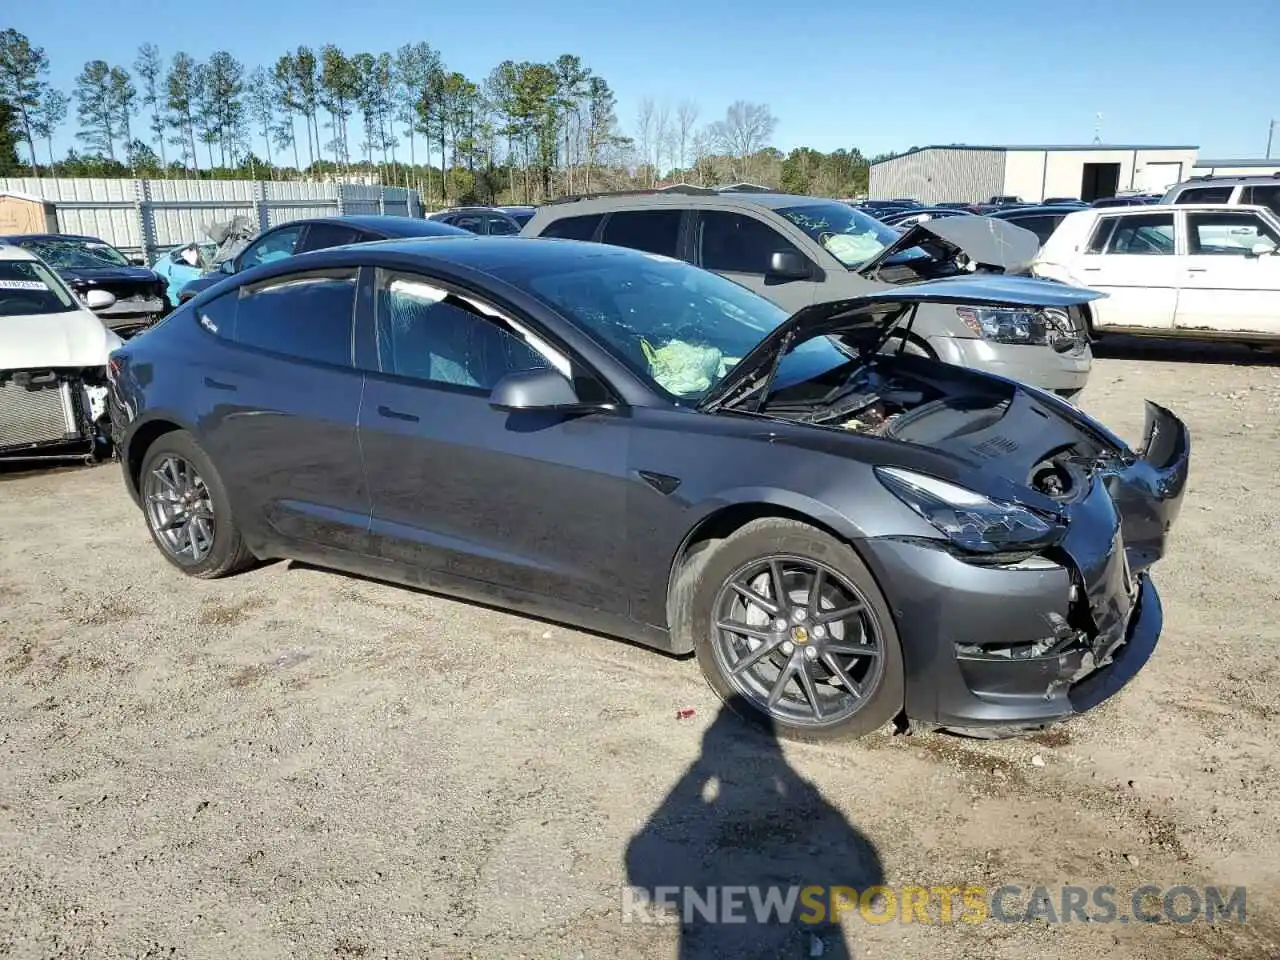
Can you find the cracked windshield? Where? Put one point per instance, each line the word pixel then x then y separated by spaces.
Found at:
pixel 850 236
pixel 64 254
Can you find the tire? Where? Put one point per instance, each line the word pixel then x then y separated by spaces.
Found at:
pixel 699 603
pixel 911 347
pixel 224 550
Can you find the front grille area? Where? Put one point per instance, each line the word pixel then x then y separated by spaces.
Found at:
pixel 45 415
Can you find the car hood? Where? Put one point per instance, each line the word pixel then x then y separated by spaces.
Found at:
pixel 99 274
pixel 865 322
pixel 76 339
pixel 993 244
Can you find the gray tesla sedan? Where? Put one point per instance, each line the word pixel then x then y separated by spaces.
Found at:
pixel 628 443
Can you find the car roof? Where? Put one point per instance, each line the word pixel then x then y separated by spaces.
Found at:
pixel 1229 179
pixel 670 198
pixel 53 236
pixel 1151 208
pixel 390 226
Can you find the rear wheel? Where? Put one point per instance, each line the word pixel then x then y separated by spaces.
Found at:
pixel 791 630
pixel 187 509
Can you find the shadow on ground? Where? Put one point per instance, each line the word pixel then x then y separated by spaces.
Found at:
pixel 1115 346
pixel 740 816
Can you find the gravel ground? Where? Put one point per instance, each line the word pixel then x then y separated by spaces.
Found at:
pixel 294 763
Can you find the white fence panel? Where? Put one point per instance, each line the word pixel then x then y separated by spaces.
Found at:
pixel 141 216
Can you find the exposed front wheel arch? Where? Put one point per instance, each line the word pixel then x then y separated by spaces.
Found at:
pixel 909 344
pixel 791 629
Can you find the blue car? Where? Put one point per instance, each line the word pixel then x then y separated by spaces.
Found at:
pixel 177 272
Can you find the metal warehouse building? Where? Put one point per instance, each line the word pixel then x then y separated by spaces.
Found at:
pixel 939 174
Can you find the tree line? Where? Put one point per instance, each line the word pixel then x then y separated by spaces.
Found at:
pixel 527 132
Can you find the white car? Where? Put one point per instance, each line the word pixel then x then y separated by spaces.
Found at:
pixel 53 357
pixel 1196 270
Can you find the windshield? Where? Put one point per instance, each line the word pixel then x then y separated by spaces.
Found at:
pixel 680 327
pixel 27 288
pixel 849 235
pixel 63 253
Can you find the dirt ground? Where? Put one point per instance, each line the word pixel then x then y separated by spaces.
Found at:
pixel 295 763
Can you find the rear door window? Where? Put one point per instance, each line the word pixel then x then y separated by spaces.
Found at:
pixel 653 231
pixel 303 315
pixel 573 228
pixel 736 243
pixel 321 236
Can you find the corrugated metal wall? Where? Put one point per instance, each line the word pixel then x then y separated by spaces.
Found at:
pixel 940 176
pixel 141 216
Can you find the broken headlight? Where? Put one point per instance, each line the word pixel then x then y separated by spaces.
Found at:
pixel 1025 325
pixel 970 520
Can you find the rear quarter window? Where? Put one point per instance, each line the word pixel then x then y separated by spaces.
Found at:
pixel 1204 195
pixel 303 315
pixel 573 228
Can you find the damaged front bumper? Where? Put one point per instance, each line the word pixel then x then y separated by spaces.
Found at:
pixel 1027 644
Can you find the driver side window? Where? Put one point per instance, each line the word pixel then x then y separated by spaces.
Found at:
pixel 427 333
pixel 274 246
pixel 736 243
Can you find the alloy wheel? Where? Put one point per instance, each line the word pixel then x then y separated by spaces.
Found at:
pixel 179 509
pixel 798 640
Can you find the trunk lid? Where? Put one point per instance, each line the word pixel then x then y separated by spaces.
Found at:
pixel 868 320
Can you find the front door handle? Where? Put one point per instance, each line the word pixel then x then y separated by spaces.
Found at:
pixel 213 384
pixel 1197 269
pixel 385 411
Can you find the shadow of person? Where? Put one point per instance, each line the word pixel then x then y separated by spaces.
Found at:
pixel 741 817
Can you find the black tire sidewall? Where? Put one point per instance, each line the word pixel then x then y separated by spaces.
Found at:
pixel 226 537
pixel 782 536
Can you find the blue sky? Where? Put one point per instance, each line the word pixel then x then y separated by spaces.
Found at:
pixel 876 75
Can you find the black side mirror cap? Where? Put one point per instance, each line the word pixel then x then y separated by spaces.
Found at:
pixel 788 265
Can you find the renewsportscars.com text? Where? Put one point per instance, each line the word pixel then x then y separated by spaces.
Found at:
pixel 814 904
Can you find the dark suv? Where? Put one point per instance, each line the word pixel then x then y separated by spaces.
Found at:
pixel 300 236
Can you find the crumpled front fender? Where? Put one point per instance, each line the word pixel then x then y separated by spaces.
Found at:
pixel 1148 491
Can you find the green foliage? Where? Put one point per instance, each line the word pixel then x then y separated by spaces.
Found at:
pixel 9 164
pixel 529 131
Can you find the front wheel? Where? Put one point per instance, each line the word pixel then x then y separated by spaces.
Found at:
pixel 791 629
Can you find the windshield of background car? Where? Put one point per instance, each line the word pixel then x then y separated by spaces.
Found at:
pixel 849 235
pixel 678 326
pixel 64 254
pixel 27 287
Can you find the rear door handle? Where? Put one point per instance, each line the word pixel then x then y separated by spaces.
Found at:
pixel 1197 269
pixel 213 384
pixel 385 411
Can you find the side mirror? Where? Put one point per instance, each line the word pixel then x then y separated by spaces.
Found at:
pixel 788 265
pixel 545 389
pixel 138 261
pixel 227 266
pixel 1262 249
pixel 99 299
